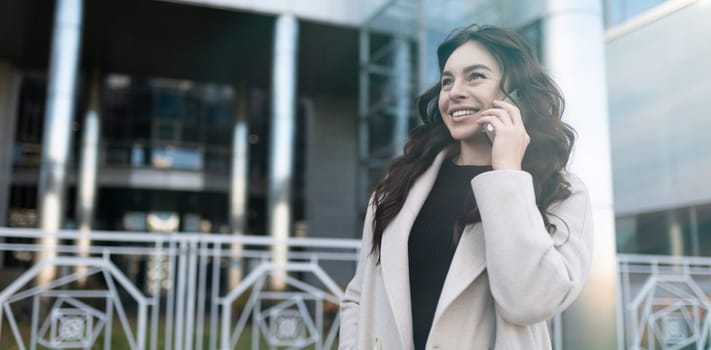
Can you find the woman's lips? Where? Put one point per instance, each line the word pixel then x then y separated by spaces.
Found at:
pixel 463 114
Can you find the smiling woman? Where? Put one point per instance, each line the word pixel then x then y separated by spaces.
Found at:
pixel 469 85
pixel 473 242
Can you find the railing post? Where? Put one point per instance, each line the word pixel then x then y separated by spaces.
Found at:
pixel 180 300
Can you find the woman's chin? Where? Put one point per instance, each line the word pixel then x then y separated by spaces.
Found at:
pixel 469 136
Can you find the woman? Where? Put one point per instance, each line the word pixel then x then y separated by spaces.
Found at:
pixel 473 241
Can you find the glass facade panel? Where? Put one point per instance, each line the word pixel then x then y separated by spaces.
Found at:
pixel 635 7
pixel 168 104
pixel 167 123
pixel 703 226
pixel 626 234
pixel 680 231
pixel 618 11
pixel 680 235
pixel 653 233
pixel 614 12
pixel 176 158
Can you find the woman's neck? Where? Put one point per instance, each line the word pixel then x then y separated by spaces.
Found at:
pixel 475 151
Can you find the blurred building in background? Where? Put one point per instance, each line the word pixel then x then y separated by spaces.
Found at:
pixel 277 117
pixel 173 81
pixel 658 72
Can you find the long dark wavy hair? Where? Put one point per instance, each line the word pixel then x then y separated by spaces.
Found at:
pixel 541 103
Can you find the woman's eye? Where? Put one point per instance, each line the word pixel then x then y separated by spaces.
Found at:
pixel 474 76
pixel 446 81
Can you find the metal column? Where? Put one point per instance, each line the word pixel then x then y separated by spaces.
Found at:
pixel 58 122
pixel 281 154
pixel 89 162
pixel 573 50
pixel 88 171
pixel 385 89
pixel 403 102
pixel 238 185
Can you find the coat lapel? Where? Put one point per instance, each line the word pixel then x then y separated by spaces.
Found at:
pixel 468 263
pixel 394 246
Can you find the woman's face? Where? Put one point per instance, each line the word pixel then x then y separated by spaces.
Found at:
pixel 470 82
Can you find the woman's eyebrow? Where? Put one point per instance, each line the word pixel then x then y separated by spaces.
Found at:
pixel 469 69
pixel 477 66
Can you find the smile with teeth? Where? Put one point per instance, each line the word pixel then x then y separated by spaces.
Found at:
pixel 463 112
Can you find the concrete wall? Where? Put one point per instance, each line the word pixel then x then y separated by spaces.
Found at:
pixel 330 178
pixel 344 12
pixel 331 168
pixel 660 117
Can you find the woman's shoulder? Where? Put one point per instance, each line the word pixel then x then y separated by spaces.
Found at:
pixel 574 181
pixel 578 197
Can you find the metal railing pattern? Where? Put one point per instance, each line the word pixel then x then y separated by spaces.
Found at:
pixel 177 291
pixel 663 302
pixel 182 302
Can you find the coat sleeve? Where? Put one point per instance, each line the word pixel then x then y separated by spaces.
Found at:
pixel 533 275
pixel 350 304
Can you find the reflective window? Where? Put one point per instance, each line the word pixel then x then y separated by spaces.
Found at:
pixel 165 123
pixel 679 231
pixel 626 228
pixel 653 233
pixel 618 11
pixel 703 226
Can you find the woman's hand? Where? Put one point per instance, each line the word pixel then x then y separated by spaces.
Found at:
pixel 511 141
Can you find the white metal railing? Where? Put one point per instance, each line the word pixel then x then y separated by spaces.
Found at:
pixel 663 302
pixel 172 291
pixel 132 290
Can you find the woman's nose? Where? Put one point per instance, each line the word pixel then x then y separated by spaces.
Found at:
pixel 457 92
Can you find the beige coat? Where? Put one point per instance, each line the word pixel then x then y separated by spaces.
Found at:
pixel 508 275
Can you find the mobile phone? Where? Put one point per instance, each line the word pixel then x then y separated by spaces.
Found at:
pixel 488 128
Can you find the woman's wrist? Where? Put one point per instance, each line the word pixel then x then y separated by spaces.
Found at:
pixel 506 166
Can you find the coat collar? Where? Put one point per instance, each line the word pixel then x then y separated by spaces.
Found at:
pixel 467 263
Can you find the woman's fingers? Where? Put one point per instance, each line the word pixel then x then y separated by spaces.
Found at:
pixel 513 111
pixel 500 113
pixel 511 141
pixel 494 120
